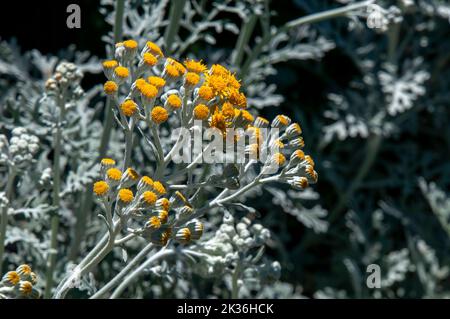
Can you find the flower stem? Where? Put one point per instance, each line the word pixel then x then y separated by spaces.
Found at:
pixel 176 12
pixel 244 37
pixel 51 261
pixel 112 283
pixel 108 121
pixel 4 220
pixel 131 277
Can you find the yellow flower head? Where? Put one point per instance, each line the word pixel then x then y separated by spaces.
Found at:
pixel 147 181
pixel 26 288
pixel 218 121
pixel 298 154
pixel 132 174
pixel 219 84
pixel 147 90
pixel 159 188
pixel 237 98
pixel 121 72
pixel 174 101
pixel 149 197
pixel 125 195
pixel 294 129
pixel 228 110
pixel 233 82
pixel 24 269
pixel 247 116
pixel 281 121
pixel 159 115
pixel 195 66
pixel 129 108
pixel 163 216
pixel 154 222
pixel 205 92
pixel 110 64
pixel 279 159
pixel 101 188
pixel 309 170
pixel 201 112
pixel 171 71
pixel 12 278
pixel 156 81
pixel 149 59
pixel 180 68
pixel 261 122
pixel 165 236
pixel 164 203
pixel 130 44
pixel 184 235
pixel 309 160
pixel 301 182
pixel 110 87
pixel 114 174
pixel 218 69
pixel 191 79
pixel 154 49
pixel 107 162
pixel 279 143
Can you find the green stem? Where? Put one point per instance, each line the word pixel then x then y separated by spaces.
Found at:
pixel 108 121
pixel 313 18
pixel 234 281
pixel 176 12
pixel 51 261
pixel 160 151
pixel 244 37
pixel 4 220
pixel 128 146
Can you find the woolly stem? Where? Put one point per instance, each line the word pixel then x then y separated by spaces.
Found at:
pixel 113 282
pixel 176 12
pixel 136 273
pixel 244 37
pixel 108 121
pixel 4 220
pixel 51 261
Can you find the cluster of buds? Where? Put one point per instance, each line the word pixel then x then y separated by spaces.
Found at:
pixel 145 200
pixel 20 150
pixel 19 284
pixel 66 80
pixel 232 243
pixel 381 19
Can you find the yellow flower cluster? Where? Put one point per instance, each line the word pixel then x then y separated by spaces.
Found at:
pixel 23 279
pixel 193 91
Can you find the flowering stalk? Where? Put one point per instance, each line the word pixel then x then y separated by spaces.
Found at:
pixel 242 41
pixel 51 261
pixel 176 12
pixel 138 271
pixel 4 220
pixel 118 278
pixel 108 122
